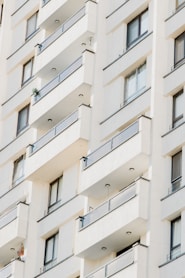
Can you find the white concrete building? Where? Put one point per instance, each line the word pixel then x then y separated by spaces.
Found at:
pixel 92 138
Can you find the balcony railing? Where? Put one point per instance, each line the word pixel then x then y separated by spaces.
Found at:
pixel 113 203
pixel 44 2
pixel 59 79
pixel 51 134
pixel 7 271
pixel 112 144
pixel 7 218
pixel 118 264
pixel 62 29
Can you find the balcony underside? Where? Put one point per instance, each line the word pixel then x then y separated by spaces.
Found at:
pixel 12 232
pixel 47 168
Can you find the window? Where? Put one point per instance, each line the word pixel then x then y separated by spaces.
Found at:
pixel 135 83
pixel 18 172
pixel 180 3
pixel 179 49
pixel 51 249
pixel 31 25
pixel 55 194
pixel 23 116
pixel 27 71
pixel 137 28
pixel 176 171
pixel 178 108
pixel 1 13
pixel 175 249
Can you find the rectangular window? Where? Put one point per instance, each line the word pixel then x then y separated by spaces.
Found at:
pixel 51 250
pixel 180 3
pixel 18 172
pixel 179 49
pixel 55 194
pixel 178 108
pixel 176 171
pixel 175 249
pixel 31 25
pixel 27 71
pixel 23 117
pixel 1 13
pixel 135 83
pixel 137 28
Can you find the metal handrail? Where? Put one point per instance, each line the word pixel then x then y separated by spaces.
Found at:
pixel 113 203
pixel 63 28
pixel 52 133
pixel 116 141
pixel 116 265
pixel 8 217
pixel 59 79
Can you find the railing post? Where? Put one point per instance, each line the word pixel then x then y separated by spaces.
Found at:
pixel 106 270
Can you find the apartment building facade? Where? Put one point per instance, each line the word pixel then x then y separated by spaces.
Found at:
pixel 92 138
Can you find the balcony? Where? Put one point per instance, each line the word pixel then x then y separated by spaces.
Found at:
pixel 54 9
pixel 15 269
pixel 65 92
pixel 60 147
pixel 124 157
pixel 62 46
pixel 132 204
pixel 13 229
pixel 132 263
pixel 61 30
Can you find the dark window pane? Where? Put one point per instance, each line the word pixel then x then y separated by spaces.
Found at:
pixel 23 119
